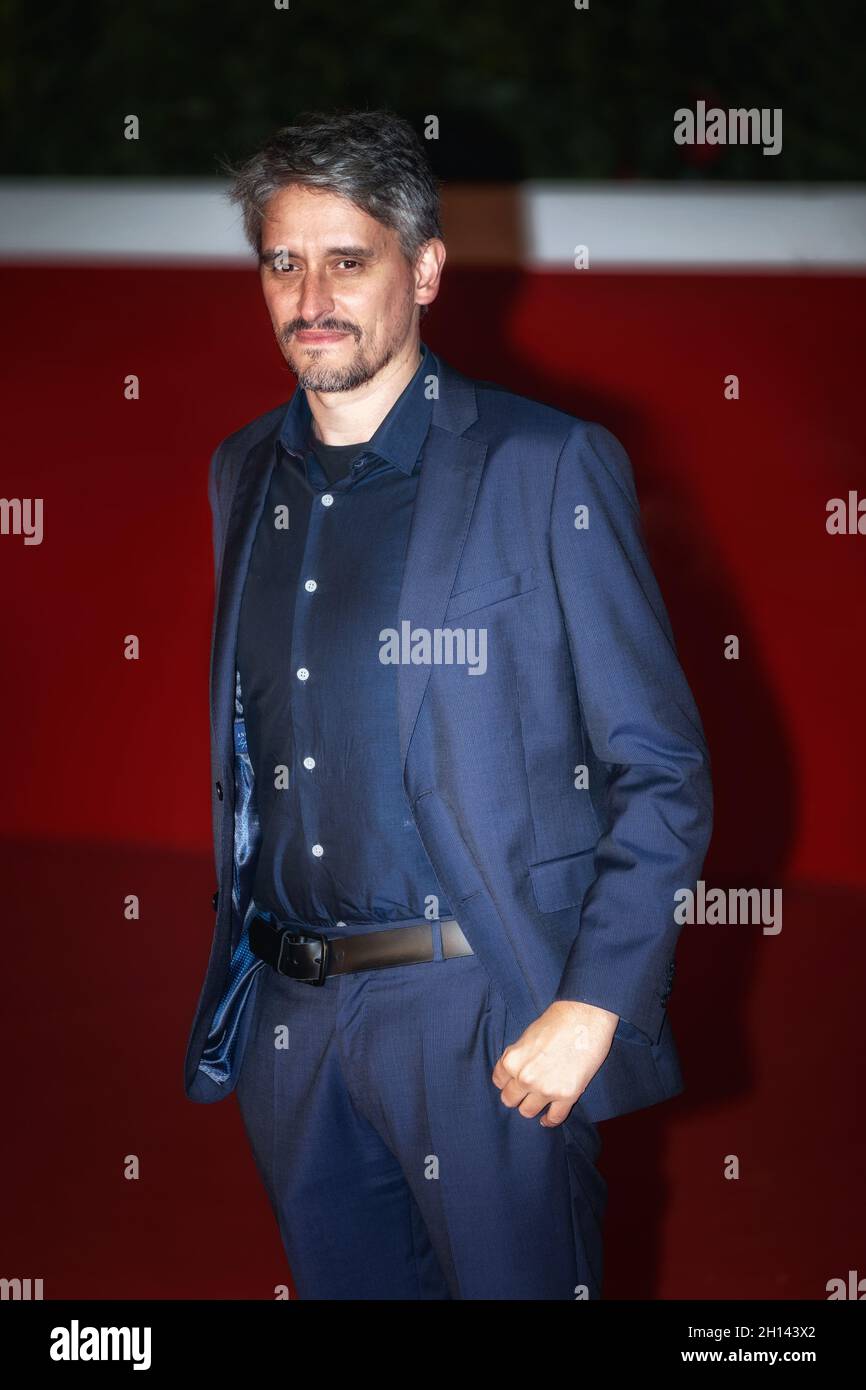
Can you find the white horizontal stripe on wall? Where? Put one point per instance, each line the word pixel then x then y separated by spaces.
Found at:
pixel 124 219
pixel 632 225
pixel 653 225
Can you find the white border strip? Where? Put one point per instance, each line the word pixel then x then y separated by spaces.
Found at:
pixel 637 225
pixel 119 219
pixel 653 225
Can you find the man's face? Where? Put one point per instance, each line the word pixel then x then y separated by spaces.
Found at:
pixel 340 294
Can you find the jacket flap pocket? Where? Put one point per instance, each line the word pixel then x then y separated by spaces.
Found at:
pixel 559 883
pixel 491 591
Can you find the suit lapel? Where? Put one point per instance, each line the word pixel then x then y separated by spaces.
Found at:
pixel 447 487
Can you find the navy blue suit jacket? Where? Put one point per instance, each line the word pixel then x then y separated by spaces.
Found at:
pixel 563 881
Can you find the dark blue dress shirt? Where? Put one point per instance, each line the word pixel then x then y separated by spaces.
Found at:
pixel 339 844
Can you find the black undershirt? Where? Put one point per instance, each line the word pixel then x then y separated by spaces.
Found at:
pixel 336 459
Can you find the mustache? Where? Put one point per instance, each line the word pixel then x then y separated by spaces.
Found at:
pixel 329 326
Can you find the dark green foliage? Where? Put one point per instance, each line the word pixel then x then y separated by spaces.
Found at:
pixel 521 90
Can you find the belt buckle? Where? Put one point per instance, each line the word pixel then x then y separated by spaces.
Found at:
pixel 305 938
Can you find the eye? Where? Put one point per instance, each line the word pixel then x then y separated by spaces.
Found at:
pixel 348 262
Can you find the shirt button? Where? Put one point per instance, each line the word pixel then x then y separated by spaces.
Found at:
pixel 302 673
pixel 327 500
pixel 318 851
pixel 310 763
pixel 311 586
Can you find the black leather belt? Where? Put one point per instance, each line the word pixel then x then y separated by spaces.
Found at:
pixel 310 957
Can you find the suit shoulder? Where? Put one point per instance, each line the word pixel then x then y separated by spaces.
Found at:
pixel 549 436
pixel 545 428
pixel 501 408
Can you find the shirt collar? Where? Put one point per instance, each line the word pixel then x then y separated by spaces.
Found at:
pixel 399 436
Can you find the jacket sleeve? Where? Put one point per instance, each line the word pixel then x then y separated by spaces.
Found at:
pixel 643 725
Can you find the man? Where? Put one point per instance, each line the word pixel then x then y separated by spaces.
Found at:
pixel 458 772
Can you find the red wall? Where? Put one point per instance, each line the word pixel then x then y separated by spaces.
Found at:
pixel 734 497
pixel 108 779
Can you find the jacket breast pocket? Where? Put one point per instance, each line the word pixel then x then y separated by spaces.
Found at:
pixel 490 592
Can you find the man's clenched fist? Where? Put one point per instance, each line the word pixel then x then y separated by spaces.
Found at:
pixel 554 1060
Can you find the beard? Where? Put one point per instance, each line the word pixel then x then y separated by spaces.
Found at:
pixel 322 376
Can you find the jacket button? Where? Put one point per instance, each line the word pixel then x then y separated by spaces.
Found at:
pixel 215 899
pixel 219 791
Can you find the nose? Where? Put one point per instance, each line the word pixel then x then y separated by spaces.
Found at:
pixel 315 298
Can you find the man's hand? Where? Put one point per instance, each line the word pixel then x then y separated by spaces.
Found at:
pixel 554 1060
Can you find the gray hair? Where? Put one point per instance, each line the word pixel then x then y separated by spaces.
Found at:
pixel 373 158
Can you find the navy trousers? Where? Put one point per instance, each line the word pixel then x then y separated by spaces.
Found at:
pixel 392 1165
